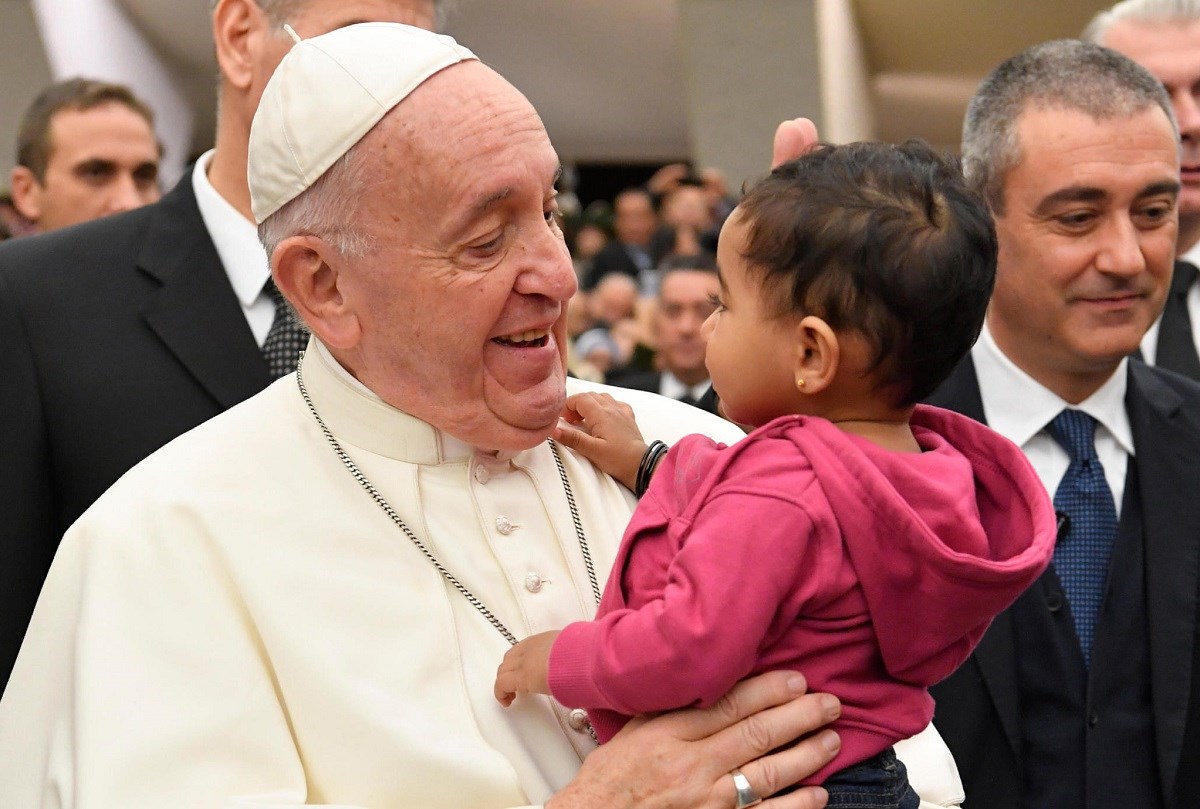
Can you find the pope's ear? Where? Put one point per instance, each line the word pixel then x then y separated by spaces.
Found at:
pixel 307 271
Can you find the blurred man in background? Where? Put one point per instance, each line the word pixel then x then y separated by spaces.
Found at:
pixel 685 300
pixel 85 149
pixel 1164 37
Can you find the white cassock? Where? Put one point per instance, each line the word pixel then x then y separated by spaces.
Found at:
pixel 236 623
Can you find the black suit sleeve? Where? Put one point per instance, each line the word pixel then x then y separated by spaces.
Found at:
pixel 28 530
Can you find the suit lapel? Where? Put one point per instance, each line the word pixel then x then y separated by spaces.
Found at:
pixel 1168 461
pixel 996 653
pixel 960 392
pixel 195 312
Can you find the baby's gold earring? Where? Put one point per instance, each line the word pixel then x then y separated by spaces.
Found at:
pixel 800 383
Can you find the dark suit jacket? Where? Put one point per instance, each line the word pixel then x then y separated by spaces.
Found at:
pixel 115 337
pixel 652 381
pixel 1177 327
pixel 977 706
pixel 613 257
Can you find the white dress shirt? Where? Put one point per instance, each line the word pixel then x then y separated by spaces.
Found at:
pixel 671 387
pixel 1019 408
pixel 240 251
pixel 1150 340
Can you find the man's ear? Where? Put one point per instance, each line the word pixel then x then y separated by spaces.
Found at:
pixel 236 24
pixel 26 193
pixel 308 272
pixel 817 355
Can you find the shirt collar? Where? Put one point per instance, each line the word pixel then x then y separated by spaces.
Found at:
pixel 1019 407
pixel 671 387
pixel 426 444
pixel 1192 256
pixel 234 236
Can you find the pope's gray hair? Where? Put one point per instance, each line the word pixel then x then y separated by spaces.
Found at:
pixel 1064 74
pixel 1140 11
pixel 326 209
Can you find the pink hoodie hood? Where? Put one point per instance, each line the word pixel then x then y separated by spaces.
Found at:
pixel 914 539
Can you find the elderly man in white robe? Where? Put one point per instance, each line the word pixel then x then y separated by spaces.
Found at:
pixel 304 600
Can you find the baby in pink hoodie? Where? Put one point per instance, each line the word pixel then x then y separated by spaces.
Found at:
pixel 854 535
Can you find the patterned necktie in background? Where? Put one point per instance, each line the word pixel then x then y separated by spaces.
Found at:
pixel 287 337
pixel 1081 557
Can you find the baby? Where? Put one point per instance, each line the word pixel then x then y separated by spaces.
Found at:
pixel 855 535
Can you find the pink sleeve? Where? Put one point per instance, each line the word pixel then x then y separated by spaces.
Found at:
pixel 741 571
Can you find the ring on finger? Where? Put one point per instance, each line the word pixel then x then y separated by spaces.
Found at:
pixel 746 796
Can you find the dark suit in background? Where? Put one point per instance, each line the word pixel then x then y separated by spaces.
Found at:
pixel 616 257
pixel 652 381
pixel 1175 348
pixel 1145 653
pixel 116 336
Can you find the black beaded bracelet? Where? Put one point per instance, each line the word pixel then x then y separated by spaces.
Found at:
pixel 650 458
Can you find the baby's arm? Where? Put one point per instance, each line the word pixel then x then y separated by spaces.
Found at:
pixel 738 575
pixel 523 669
pixel 605 433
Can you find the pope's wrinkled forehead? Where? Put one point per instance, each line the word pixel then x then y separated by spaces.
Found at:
pixel 326 94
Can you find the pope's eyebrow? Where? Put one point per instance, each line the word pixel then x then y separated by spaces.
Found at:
pixel 484 203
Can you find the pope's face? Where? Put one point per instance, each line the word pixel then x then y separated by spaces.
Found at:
pixel 462 300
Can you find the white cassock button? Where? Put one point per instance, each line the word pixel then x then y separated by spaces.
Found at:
pixel 504 525
pixel 578 720
pixel 481 474
pixel 533 582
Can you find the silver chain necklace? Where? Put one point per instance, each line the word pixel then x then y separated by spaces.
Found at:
pixel 395 518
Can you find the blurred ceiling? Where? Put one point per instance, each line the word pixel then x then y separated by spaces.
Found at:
pixel 607 75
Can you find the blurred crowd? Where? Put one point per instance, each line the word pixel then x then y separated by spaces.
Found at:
pixel 648 281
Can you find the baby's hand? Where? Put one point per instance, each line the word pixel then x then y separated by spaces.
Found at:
pixel 606 434
pixel 523 669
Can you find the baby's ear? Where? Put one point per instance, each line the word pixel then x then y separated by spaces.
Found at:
pixel 817 354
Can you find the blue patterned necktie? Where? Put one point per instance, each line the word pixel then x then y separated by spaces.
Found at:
pixel 1081 556
pixel 287 337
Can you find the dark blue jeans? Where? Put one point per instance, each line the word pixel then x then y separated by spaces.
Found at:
pixel 880 782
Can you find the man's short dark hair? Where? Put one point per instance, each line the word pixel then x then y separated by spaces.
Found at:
pixel 888 241
pixel 33 138
pixel 697 262
pixel 1063 74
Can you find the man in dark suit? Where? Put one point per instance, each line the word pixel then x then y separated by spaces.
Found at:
pixel 1086 692
pixel 120 334
pixel 1164 37
pixel 688 288
pixel 85 149
pixel 639 244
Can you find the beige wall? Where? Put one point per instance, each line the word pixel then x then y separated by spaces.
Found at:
pixel 23 73
pixel 747 65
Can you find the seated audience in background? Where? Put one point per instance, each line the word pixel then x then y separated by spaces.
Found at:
pixel 686 296
pixel 608 340
pixel 638 244
pixel 1086 692
pixel 687 217
pixel 854 535
pixel 85 149
pixel 1163 36
pixel 589 239
pixel 720 203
